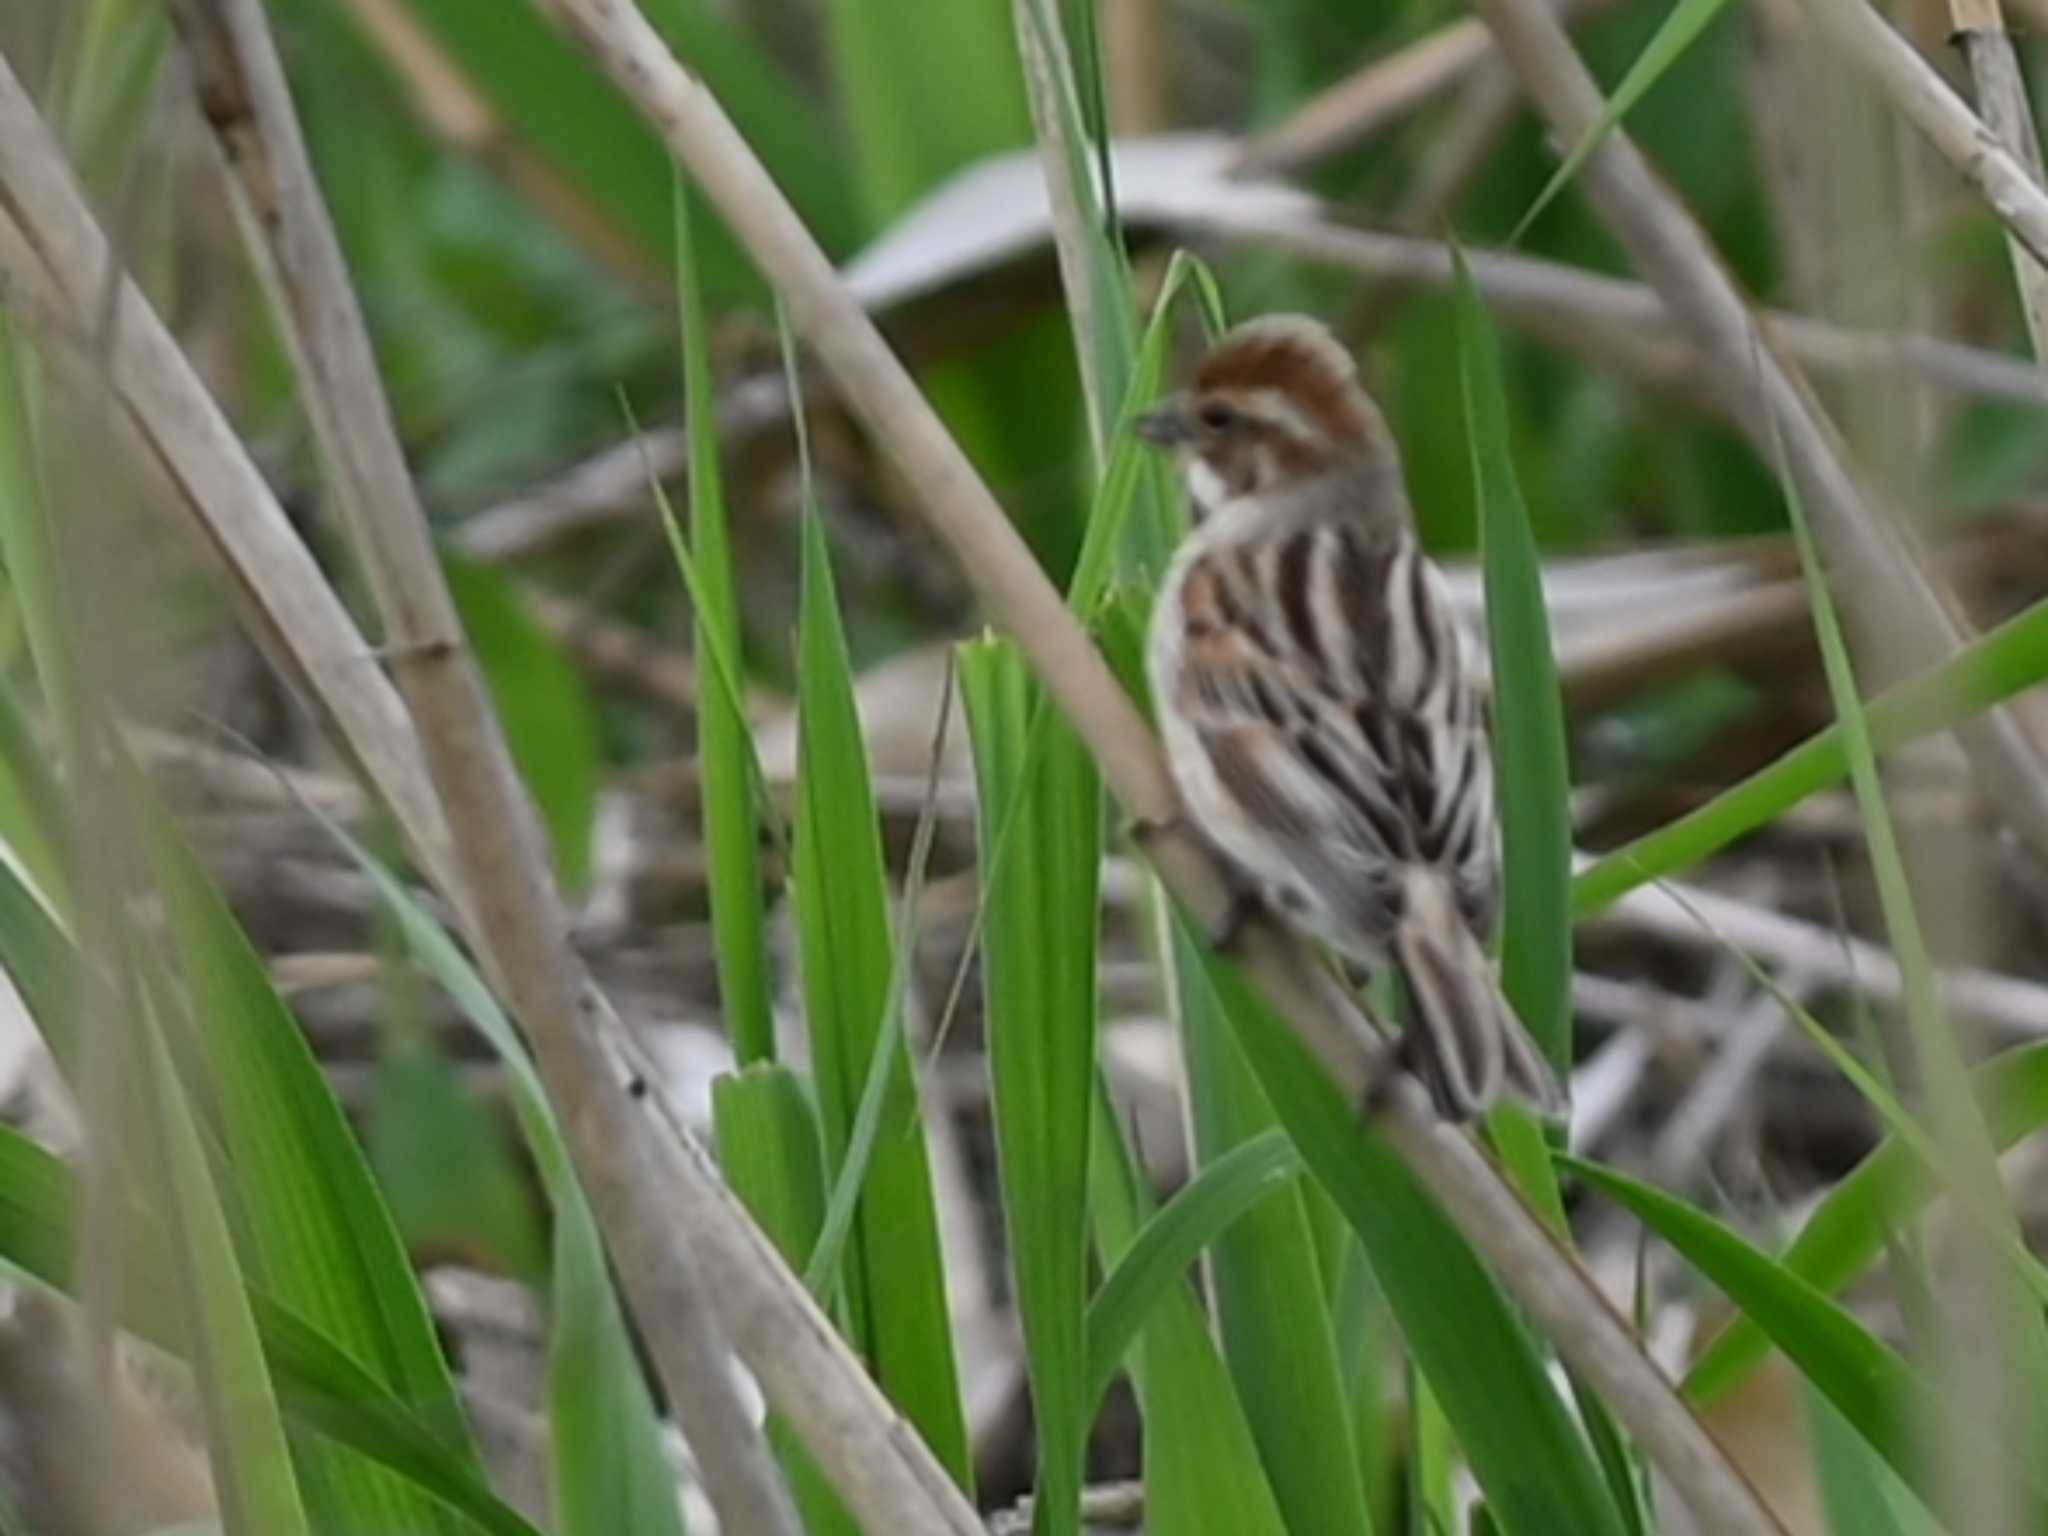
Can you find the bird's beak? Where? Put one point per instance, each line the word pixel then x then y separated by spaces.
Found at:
pixel 1166 424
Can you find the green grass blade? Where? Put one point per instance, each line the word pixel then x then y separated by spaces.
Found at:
pixel 1041 802
pixel 1861 1494
pixel 851 1174
pixel 1528 709
pixel 1986 1208
pixel 1848 1229
pixel 32 823
pixel 728 773
pixel 608 1469
pixel 609 1473
pixel 1204 1208
pixel 893 1277
pixel 1272 1311
pixel 1528 1456
pixel 32 813
pixel 2008 659
pixel 1886 1400
pixel 1202 1473
pixel 721 664
pixel 320 1385
pixel 1967 1154
pixel 310 1225
pixel 253 1475
pixel 1678 32
pixel 1534 791
pixel 1132 466
pixel 550 723
pixel 769 1152
pixel 1103 316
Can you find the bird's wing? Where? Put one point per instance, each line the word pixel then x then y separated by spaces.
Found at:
pixel 1322 673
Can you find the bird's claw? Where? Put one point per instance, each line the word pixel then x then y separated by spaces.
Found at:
pixel 1246 905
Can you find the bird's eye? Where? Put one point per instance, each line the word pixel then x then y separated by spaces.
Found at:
pixel 1216 416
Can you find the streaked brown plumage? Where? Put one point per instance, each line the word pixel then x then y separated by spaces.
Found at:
pixel 1322 712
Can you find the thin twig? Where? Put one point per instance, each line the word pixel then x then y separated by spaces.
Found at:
pixel 49 249
pixel 1378 95
pixel 1865 540
pixel 519 922
pixel 1567 1302
pixel 1021 598
pixel 1987 49
pixel 2016 1007
pixel 1926 100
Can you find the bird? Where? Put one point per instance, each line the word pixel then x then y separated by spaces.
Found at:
pixel 1323 713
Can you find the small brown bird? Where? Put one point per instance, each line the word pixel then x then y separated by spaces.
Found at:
pixel 1322 711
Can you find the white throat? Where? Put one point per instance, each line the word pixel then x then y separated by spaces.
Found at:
pixel 1205 488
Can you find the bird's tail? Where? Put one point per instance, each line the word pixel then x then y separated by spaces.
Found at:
pixel 1463 1039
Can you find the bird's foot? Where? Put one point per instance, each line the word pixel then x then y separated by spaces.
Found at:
pixel 1245 905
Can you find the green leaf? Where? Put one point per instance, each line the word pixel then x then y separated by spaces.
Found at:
pixel 245 1438
pixel 2009 659
pixel 1534 789
pixel 1848 1229
pixel 1967 1156
pixel 1041 852
pixel 1528 709
pixel 40 960
pixel 727 770
pixel 1271 1308
pixel 319 1384
pixel 1202 1473
pixel 769 1152
pixel 1529 1458
pixel 1135 476
pixel 884 1059
pixel 1205 1207
pixel 608 1470
pixel 1862 1495
pixel 1883 1397
pixel 32 822
pixel 1104 318
pixel 1679 31
pixel 893 1277
pixel 550 724
pixel 310 1225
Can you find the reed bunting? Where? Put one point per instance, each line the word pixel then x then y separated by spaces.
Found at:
pixel 1323 714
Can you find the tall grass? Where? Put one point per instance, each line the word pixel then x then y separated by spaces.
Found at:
pixel 1312 1345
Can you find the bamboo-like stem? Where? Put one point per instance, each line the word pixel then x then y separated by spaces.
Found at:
pixel 1972 149
pixel 53 259
pixel 1864 540
pixel 1624 324
pixel 500 857
pixel 1987 48
pixel 1019 596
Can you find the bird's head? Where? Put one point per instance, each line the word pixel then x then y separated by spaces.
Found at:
pixel 1273 407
